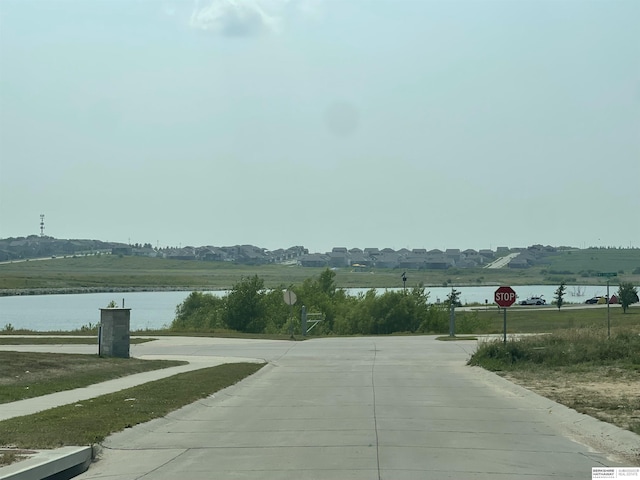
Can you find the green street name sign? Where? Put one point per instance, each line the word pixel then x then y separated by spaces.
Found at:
pixel 608 274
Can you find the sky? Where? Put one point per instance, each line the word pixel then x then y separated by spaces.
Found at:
pixel 322 123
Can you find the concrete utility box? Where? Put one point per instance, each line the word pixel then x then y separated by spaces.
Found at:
pixel 114 338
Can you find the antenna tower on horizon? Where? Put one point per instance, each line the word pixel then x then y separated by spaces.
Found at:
pixel 42 225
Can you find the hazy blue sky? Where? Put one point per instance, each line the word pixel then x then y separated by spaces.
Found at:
pixel 362 123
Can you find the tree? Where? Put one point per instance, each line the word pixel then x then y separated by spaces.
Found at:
pixel 199 312
pixel 320 295
pixel 559 295
pixel 245 310
pixel 453 298
pixel 327 283
pixel 627 295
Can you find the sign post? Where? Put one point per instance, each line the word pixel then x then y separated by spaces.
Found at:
pixel 608 275
pixel 290 299
pixel 504 297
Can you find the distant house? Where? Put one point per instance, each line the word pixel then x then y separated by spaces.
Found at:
pixel 487 253
pixel 438 262
pixel 122 250
pixel 519 262
pixel 467 263
pixel 453 254
pixel 388 260
pixel 414 262
pixel 277 256
pixel 187 253
pixel 361 260
pixel 314 260
pixel 296 251
pixel 476 259
pixel 212 254
pixel 339 258
pixel 144 252
pixel 251 255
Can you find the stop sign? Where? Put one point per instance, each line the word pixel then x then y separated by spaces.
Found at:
pixel 504 296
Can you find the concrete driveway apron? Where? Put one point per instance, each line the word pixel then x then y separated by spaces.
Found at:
pixel 356 408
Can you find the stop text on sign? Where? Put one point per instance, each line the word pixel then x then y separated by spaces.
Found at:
pixel 505 296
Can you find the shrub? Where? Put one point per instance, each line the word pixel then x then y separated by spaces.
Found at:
pixel 199 312
pixel 564 348
pixel 471 322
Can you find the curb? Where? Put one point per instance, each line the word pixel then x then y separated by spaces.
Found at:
pixel 59 464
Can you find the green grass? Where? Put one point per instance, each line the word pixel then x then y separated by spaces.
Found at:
pixel 59 340
pixel 596 260
pixel 580 347
pixel 455 338
pixel 114 273
pixel 26 374
pixel 91 421
pixel 531 320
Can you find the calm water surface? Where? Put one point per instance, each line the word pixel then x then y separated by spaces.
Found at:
pixel 155 310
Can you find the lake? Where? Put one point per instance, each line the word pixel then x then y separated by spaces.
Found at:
pixel 156 310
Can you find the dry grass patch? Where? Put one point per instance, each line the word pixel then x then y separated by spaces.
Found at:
pixel 10 455
pixel 608 394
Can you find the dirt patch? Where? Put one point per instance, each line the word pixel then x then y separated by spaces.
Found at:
pixel 608 394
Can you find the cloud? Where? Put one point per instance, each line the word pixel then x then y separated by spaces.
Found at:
pixel 240 18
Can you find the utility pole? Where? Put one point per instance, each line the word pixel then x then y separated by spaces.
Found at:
pixel 608 275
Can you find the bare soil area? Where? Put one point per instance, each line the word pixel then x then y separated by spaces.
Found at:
pixel 608 394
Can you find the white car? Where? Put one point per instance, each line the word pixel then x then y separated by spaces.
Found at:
pixel 534 301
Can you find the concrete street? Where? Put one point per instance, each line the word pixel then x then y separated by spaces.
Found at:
pixel 358 408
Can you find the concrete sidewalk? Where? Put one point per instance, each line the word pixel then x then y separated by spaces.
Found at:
pixel 67 462
pixel 45 402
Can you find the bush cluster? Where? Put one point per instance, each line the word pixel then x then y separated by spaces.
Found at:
pixel 250 307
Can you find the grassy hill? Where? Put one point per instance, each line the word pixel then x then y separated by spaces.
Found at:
pixel 102 272
pixel 589 261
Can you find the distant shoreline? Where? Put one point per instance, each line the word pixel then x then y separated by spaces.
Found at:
pixel 16 292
